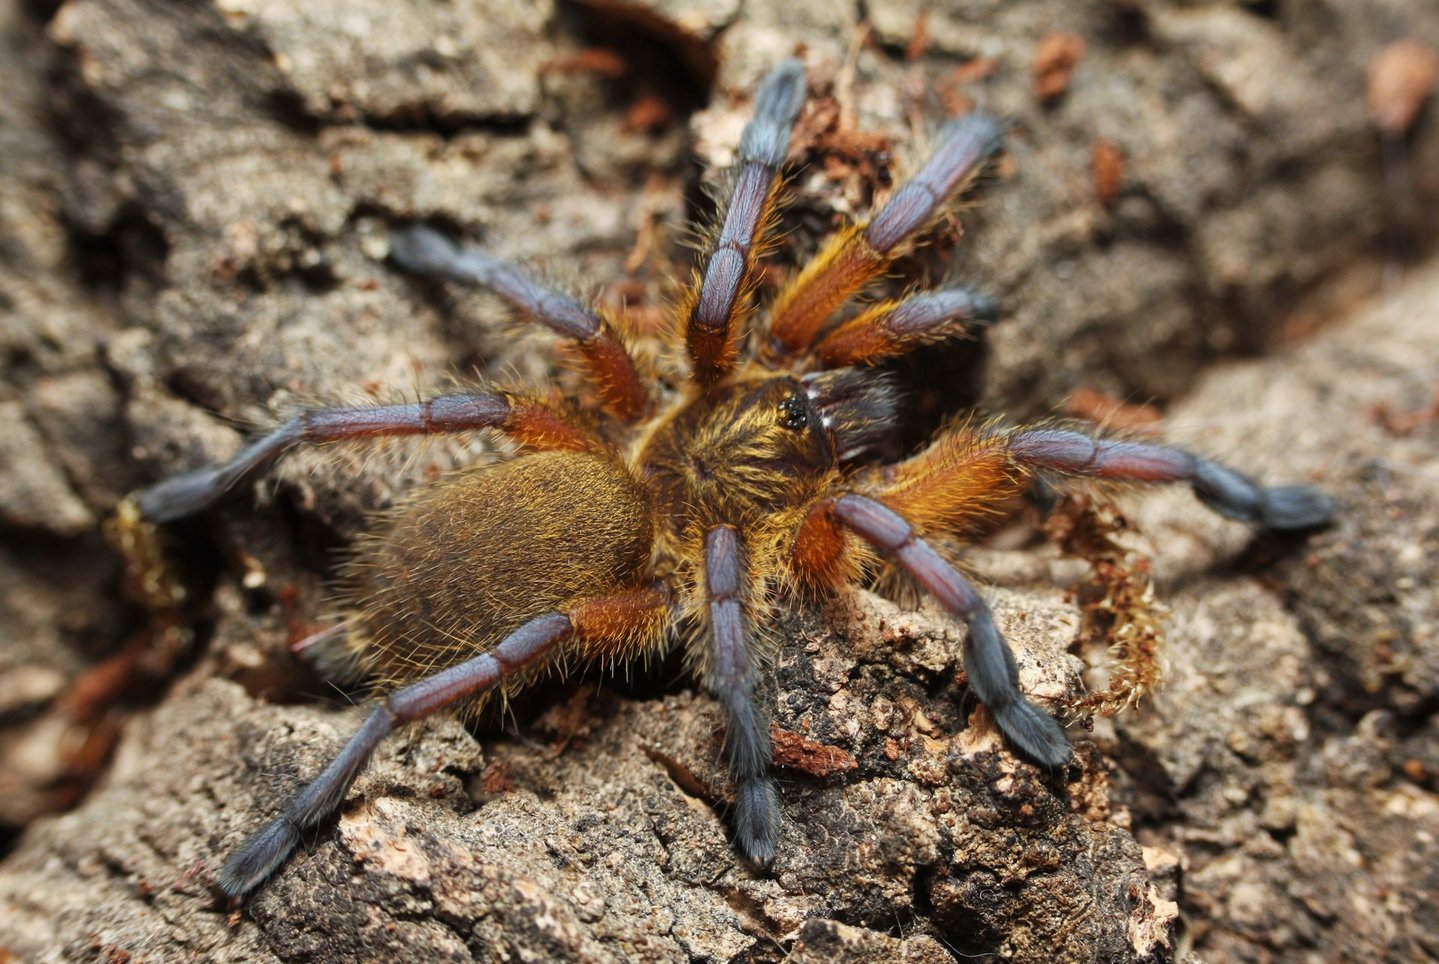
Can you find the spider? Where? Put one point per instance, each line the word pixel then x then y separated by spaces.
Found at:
pixel 663 521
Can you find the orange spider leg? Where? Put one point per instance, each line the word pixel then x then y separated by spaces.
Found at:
pixel 964 476
pixel 892 328
pixel 824 556
pixel 618 628
pixel 612 370
pixel 862 252
pixel 961 478
pixel 622 622
pixel 425 251
pixel 720 294
pixel 847 263
pixel 531 423
pixel 949 486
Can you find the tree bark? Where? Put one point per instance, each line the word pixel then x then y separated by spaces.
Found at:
pixel 1191 208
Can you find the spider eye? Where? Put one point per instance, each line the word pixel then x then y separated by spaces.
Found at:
pixel 793 413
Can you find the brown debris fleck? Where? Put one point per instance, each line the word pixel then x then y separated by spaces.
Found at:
pixel 1403 423
pixel 497 778
pixel 602 61
pixel 1054 61
pixel 842 149
pixel 646 114
pixel 148 657
pixel 796 752
pixel 950 87
pixel 1107 164
pixel 569 723
pixel 919 40
pixel 1401 78
pixel 974 70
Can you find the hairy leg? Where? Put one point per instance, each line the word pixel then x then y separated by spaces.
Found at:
pixel 598 622
pixel 968 473
pixel 425 251
pixel 893 328
pixel 1224 490
pixel 730 676
pixel 716 302
pixel 861 253
pixel 987 657
pixel 528 422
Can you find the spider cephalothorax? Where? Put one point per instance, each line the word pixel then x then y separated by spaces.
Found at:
pixel 756 482
pixel 740 452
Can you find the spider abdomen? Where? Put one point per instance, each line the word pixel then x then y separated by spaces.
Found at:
pixel 452 569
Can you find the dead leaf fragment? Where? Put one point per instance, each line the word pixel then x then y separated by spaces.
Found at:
pixel 1054 61
pixel 1404 423
pixel 1401 78
pixel 796 752
pixel 1107 163
pixel 919 39
pixel 601 61
pixel 950 86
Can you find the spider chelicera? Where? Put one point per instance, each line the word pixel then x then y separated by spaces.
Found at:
pixel 759 480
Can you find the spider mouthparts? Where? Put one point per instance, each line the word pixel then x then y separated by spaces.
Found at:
pixel 859 407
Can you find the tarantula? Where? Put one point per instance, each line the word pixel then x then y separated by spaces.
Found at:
pixel 757 481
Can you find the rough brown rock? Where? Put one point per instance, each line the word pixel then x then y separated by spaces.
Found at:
pixel 192 212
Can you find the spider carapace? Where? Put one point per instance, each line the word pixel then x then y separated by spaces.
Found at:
pixel 657 521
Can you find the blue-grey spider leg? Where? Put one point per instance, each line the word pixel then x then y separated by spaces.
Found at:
pixel 1227 492
pixel 529 422
pixel 262 853
pixel 424 251
pixel 730 676
pixel 719 296
pixel 988 661
pixel 893 328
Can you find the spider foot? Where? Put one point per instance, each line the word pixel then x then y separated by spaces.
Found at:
pixel 1033 731
pixel 756 820
pixel 1286 507
pixel 260 856
pixel 1237 496
pixel 182 495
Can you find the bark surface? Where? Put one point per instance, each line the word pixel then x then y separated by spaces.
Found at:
pixel 1194 209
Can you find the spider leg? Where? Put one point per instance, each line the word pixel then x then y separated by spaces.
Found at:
pixel 603 621
pixel 963 477
pixel 987 658
pixel 968 473
pixel 892 328
pixel 717 297
pixel 424 251
pixel 528 422
pixel 1227 492
pixel 730 676
pixel 862 252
